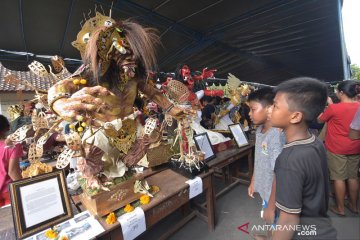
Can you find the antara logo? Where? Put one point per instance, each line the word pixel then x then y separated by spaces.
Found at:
pixel 244 228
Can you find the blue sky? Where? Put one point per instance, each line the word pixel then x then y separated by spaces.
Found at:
pixel 351 23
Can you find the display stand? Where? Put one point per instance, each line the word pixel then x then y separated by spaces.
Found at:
pixel 174 193
pixel 119 195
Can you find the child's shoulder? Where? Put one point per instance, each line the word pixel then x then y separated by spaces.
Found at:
pixel 304 152
pixel 277 133
pixel 276 130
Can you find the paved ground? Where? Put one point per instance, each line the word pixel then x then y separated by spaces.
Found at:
pixel 234 209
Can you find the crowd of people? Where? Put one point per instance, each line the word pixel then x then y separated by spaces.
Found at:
pixel 293 167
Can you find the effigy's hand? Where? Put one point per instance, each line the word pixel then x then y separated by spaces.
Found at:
pixel 177 112
pixel 180 113
pixel 86 101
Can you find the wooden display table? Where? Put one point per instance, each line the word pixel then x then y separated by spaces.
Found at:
pixel 232 175
pixel 174 193
pixel 7 230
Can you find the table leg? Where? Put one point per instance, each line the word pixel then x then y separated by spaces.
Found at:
pixel 210 205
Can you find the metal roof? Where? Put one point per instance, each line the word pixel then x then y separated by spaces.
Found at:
pixel 265 41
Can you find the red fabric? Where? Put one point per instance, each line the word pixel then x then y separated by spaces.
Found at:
pixel 6 154
pixel 214 93
pixel 338 117
pixel 4 199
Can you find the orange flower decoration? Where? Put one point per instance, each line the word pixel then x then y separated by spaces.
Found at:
pixel 128 208
pixel 51 234
pixel 63 238
pixel 144 199
pixel 111 218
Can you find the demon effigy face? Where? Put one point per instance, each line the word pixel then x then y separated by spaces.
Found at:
pixel 88 28
pixel 126 43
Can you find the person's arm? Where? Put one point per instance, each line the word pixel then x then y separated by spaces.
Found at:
pixel 289 199
pixel 354 132
pixel 14 169
pixel 269 213
pixel 288 221
pixel 326 115
pixel 275 148
pixel 251 187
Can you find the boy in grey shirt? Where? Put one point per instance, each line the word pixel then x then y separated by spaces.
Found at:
pixel 268 145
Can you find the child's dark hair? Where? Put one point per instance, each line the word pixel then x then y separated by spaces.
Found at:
pixel 305 94
pixel 265 96
pixel 4 124
pixel 350 88
pixel 207 99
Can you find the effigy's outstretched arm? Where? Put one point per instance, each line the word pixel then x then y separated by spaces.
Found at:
pixel 68 100
pixel 63 89
pixel 160 99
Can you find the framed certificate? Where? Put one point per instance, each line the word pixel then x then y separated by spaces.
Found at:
pixel 39 203
pixel 203 144
pixel 239 135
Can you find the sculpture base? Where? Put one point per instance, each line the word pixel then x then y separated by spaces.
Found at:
pixel 119 195
pixel 186 171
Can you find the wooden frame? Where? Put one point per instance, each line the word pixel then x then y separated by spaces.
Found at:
pixel 208 146
pixel 239 135
pixel 28 208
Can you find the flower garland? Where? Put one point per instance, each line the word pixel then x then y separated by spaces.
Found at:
pixel 143 200
pixel 53 234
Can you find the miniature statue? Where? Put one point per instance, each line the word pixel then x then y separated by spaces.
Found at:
pixel 98 100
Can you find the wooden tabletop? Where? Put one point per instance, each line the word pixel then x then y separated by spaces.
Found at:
pixel 173 192
pixel 170 184
pixel 229 153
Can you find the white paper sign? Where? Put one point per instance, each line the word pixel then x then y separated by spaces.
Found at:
pixel 83 226
pixel 196 187
pixel 204 145
pixel 239 135
pixel 41 201
pixel 133 223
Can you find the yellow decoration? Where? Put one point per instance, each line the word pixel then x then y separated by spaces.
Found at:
pixel 36 169
pixel 83 81
pixel 128 208
pixel 79 118
pixel 144 199
pixel 155 189
pixel 83 124
pixel 71 126
pixel 80 129
pixel 76 81
pixel 51 234
pixel 111 218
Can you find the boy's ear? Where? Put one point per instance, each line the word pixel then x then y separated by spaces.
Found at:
pixel 269 110
pixel 296 117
